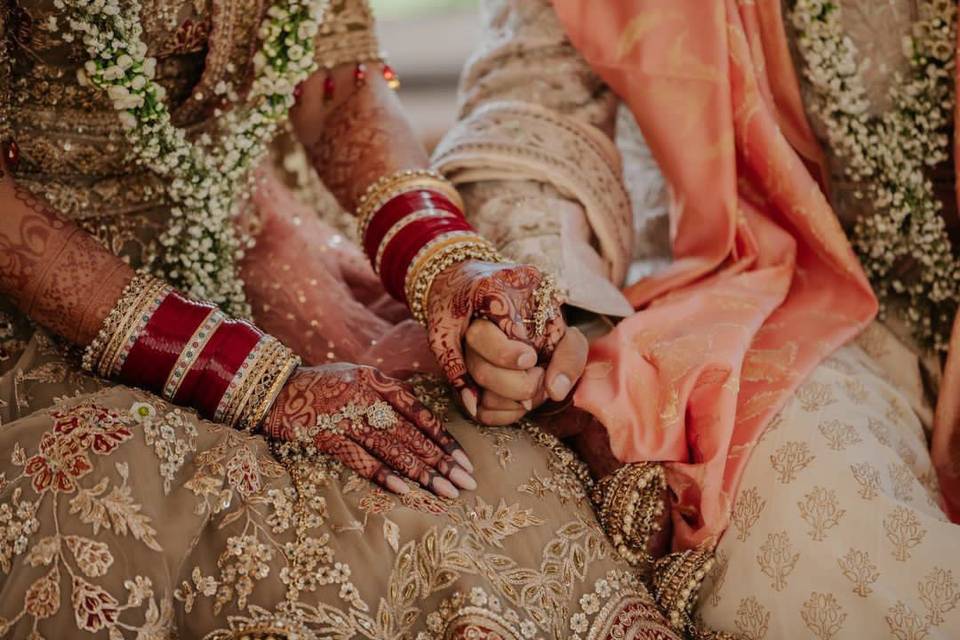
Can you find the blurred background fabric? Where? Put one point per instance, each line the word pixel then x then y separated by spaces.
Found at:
pixel 427 42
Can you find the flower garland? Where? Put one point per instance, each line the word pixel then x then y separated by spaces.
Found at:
pixel 201 240
pixel 903 244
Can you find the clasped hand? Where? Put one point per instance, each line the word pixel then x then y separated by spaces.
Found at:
pixel 482 329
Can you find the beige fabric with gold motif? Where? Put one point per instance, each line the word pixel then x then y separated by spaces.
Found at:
pixel 836 532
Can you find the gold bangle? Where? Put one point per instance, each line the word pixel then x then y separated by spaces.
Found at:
pixel 105 355
pixel 225 411
pixel 429 250
pixel 265 358
pixel 121 327
pixel 272 362
pixel 280 373
pixel 138 320
pixel 94 352
pixel 418 297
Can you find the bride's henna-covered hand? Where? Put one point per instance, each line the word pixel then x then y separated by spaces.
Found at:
pixel 372 424
pixel 491 306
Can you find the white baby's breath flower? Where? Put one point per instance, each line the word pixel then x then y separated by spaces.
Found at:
pixel 202 176
pixel 889 154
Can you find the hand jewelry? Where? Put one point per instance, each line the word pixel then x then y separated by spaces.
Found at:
pixel 549 299
pixel 379 415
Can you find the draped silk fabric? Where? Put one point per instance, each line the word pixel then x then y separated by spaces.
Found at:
pixel 764 283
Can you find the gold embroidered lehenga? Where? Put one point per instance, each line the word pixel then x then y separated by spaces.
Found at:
pixel 124 516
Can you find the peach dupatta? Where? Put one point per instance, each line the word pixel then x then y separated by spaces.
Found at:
pixel 764 284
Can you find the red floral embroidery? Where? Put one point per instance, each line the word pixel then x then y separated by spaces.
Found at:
pixel 96 427
pixel 62 458
pixel 93 607
pixel 243 473
pixel 61 461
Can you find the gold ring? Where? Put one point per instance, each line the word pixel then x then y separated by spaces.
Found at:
pixel 381 416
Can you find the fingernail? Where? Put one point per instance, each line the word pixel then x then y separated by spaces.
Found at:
pixel 560 387
pixel 527 360
pixel 463 479
pixel 469 402
pixel 395 484
pixel 462 460
pixel 444 488
pixel 527 404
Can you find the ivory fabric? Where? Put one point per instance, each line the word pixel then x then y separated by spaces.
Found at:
pixel 533 158
pixel 837 531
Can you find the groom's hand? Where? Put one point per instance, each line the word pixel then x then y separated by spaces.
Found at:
pixel 512 382
pixel 514 361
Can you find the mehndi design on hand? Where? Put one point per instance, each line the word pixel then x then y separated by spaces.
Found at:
pixel 372 424
pixel 508 295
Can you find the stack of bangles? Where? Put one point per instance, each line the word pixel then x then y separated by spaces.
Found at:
pixel 190 353
pixel 413 228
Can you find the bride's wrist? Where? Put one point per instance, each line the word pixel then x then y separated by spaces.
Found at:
pixel 190 353
pixel 413 227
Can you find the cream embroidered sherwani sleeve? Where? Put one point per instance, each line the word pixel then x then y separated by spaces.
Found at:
pixel 534 156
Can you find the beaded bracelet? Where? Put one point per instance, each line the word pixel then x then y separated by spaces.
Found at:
pixel 629 504
pixel 413 228
pixel 677 578
pixel 418 291
pixel 190 353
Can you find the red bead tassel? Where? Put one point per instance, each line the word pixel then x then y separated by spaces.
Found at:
pixel 393 80
pixel 360 75
pixel 11 154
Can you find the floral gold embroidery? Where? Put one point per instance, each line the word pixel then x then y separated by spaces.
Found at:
pixel 880 430
pixel 42 599
pixel 777 559
pixel 821 510
pixel 855 390
pixel 790 459
pixel 746 511
pixel 904 531
pixel 901 480
pixel 814 396
pixel 719 576
pixel 839 435
pixel 905 624
pixel 868 478
pixel 753 619
pixel 939 594
pixel 823 615
pixel 858 569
